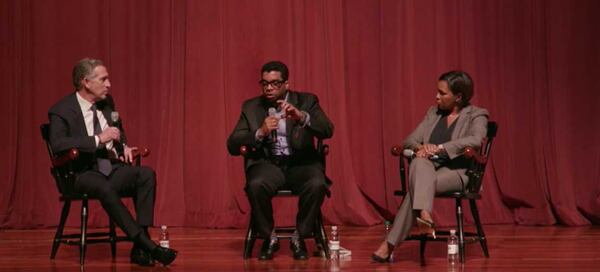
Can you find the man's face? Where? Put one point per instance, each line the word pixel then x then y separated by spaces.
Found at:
pixel 445 99
pixel 273 86
pixel 97 84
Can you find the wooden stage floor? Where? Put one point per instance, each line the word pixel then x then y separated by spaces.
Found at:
pixel 512 248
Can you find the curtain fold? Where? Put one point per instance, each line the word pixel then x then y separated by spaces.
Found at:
pixel 180 71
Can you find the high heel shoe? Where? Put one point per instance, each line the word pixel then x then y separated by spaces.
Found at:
pixel 426 227
pixel 379 259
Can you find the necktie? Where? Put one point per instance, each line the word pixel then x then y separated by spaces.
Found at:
pixel 104 165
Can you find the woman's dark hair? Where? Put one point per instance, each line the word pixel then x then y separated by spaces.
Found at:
pixel 276 66
pixel 459 83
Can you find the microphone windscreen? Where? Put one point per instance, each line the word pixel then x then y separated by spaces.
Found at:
pixel 114 116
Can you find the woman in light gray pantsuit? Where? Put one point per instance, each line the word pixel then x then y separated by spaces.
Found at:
pixel 439 165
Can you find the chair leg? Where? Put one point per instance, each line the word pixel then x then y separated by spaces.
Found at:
pixel 249 241
pixel 321 236
pixel 82 242
pixel 422 244
pixel 61 227
pixel 480 233
pixel 113 239
pixel 461 231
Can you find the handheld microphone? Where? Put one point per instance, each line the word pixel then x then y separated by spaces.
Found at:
pixel 114 116
pixel 409 153
pixel 273 112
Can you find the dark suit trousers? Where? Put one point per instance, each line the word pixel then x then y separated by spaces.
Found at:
pixel 307 181
pixel 125 180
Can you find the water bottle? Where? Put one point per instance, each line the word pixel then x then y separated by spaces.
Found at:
pixel 452 248
pixel 388 228
pixel 163 239
pixel 334 244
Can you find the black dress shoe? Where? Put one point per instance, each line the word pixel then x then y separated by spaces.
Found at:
pixel 140 257
pixel 298 248
pixel 379 259
pixel 269 247
pixel 164 255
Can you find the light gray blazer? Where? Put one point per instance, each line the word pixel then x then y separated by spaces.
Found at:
pixel 469 131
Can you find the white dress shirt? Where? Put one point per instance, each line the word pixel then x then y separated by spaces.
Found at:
pixel 88 117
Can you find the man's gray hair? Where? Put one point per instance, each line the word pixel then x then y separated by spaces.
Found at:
pixel 84 68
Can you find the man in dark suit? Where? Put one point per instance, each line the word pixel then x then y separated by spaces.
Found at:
pixel 281 125
pixel 83 120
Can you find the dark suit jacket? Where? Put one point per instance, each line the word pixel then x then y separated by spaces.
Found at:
pixel 67 130
pixel 301 139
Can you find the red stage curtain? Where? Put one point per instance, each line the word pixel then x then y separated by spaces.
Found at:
pixel 181 69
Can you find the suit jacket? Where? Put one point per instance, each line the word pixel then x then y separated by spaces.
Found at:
pixel 300 138
pixel 470 129
pixel 67 130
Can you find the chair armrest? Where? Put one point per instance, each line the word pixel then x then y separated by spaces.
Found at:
pixel 63 159
pixel 138 154
pixel 472 154
pixel 73 154
pixel 245 151
pixel 469 152
pixel 478 161
pixel 325 149
pixel 397 150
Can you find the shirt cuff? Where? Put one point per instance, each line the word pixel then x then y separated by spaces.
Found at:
pixel 258 136
pixel 306 120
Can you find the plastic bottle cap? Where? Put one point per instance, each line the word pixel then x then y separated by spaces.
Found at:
pixel 163 227
pixel 452 231
pixel 333 227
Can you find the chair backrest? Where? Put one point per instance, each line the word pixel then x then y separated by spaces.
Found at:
pixel 45 129
pixel 64 175
pixel 477 168
pixel 323 151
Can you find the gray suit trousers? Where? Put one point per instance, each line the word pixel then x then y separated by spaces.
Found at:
pixel 425 181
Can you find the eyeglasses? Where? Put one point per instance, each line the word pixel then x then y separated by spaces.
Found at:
pixel 274 83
